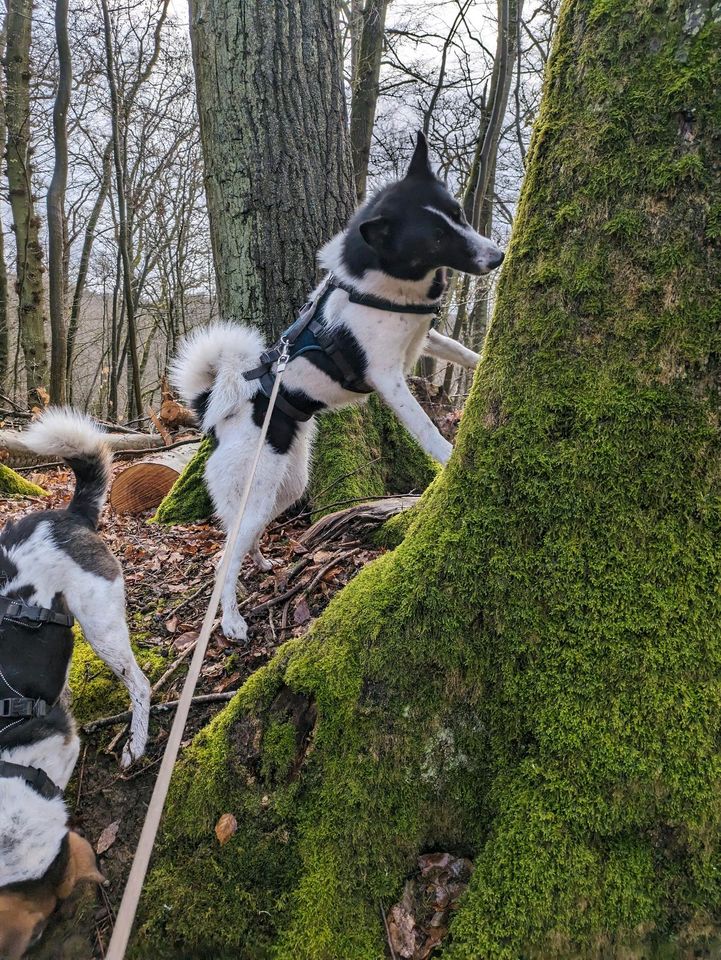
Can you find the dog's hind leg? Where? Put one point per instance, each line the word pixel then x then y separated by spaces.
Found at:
pixel 234 462
pixel 101 615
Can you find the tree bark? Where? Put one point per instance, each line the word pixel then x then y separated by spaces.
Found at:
pixel 277 162
pixel 29 284
pixel 56 209
pixel 366 77
pixel 135 394
pixel 84 264
pixel 532 677
pixel 4 324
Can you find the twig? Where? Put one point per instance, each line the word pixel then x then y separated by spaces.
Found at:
pixel 343 503
pixel 158 708
pixel 306 587
pixel 203 588
pixel 388 932
pixel 172 668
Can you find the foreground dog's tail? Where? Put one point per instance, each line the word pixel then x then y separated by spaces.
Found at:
pixel 208 371
pixel 62 432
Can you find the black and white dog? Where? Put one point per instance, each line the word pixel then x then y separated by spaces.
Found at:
pixel 53 567
pixel 372 320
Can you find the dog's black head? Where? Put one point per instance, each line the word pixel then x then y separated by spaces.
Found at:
pixel 414 227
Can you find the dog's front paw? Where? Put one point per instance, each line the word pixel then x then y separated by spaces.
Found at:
pixel 234 627
pixel 263 563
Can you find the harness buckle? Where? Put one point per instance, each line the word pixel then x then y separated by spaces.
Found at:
pixel 284 355
pixel 22 707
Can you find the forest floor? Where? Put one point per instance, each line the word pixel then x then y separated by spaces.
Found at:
pixel 169 575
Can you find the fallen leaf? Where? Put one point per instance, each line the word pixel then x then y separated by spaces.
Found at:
pixel 301 614
pixel 108 837
pixel 185 639
pixel 225 828
pixel 171 624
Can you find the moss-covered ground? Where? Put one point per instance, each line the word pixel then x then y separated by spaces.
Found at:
pixel 533 676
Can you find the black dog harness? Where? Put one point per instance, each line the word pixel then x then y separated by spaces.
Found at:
pixel 14 614
pixel 309 334
pixel 18 617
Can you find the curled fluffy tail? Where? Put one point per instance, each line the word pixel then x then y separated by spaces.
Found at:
pixel 208 371
pixel 65 433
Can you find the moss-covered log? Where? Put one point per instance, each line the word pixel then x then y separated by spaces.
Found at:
pixel 533 677
pixel 14 485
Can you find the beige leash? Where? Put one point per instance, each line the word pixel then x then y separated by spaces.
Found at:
pixel 133 889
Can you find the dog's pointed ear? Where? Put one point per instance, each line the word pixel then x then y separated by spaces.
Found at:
pixel 376 232
pixel 81 866
pixel 420 165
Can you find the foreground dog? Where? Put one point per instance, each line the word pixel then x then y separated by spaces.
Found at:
pixel 371 322
pixel 53 566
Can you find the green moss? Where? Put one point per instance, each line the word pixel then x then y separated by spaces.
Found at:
pixel 13 485
pixel 364 452
pixel 188 501
pixel 533 676
pixel 95 689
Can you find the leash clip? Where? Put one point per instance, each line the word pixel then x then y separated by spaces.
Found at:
pixel 284 355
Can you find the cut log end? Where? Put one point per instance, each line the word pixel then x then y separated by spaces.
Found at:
pixel 142 486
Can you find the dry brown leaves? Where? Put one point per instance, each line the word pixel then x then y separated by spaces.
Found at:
pixel 418 923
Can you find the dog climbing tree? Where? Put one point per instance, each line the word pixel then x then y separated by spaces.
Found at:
pixel 533 677
pixel 273 201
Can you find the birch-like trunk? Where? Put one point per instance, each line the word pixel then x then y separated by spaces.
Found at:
pixel 29 254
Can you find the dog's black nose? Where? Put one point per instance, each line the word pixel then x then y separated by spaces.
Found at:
pixel 497 260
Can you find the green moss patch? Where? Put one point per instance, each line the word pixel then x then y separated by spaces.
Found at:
pixel 96 690
pixel 188 500
pixel 14 485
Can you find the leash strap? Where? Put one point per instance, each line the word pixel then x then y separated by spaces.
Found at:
pixel 18 610
pixel 37 778
pixel 133 889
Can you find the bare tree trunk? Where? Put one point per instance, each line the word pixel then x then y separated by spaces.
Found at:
pixel 56 208
pixel 278 168
pixel 135 401
pixel 82 276
pixel 4 325
pixel 29 285
pixel 365 90
pixel 509 14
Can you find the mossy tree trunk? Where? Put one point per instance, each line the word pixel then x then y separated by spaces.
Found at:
pixel 279 184
pixel 533 677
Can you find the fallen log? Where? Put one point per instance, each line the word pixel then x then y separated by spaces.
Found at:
pixel 142 485
pixel 15 453
pixel 360 518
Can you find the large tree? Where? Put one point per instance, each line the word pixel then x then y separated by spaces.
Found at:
pixel 533 677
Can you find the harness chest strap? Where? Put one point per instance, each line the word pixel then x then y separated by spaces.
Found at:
pixel 325 341
pixel 37 778
pixel 19 610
